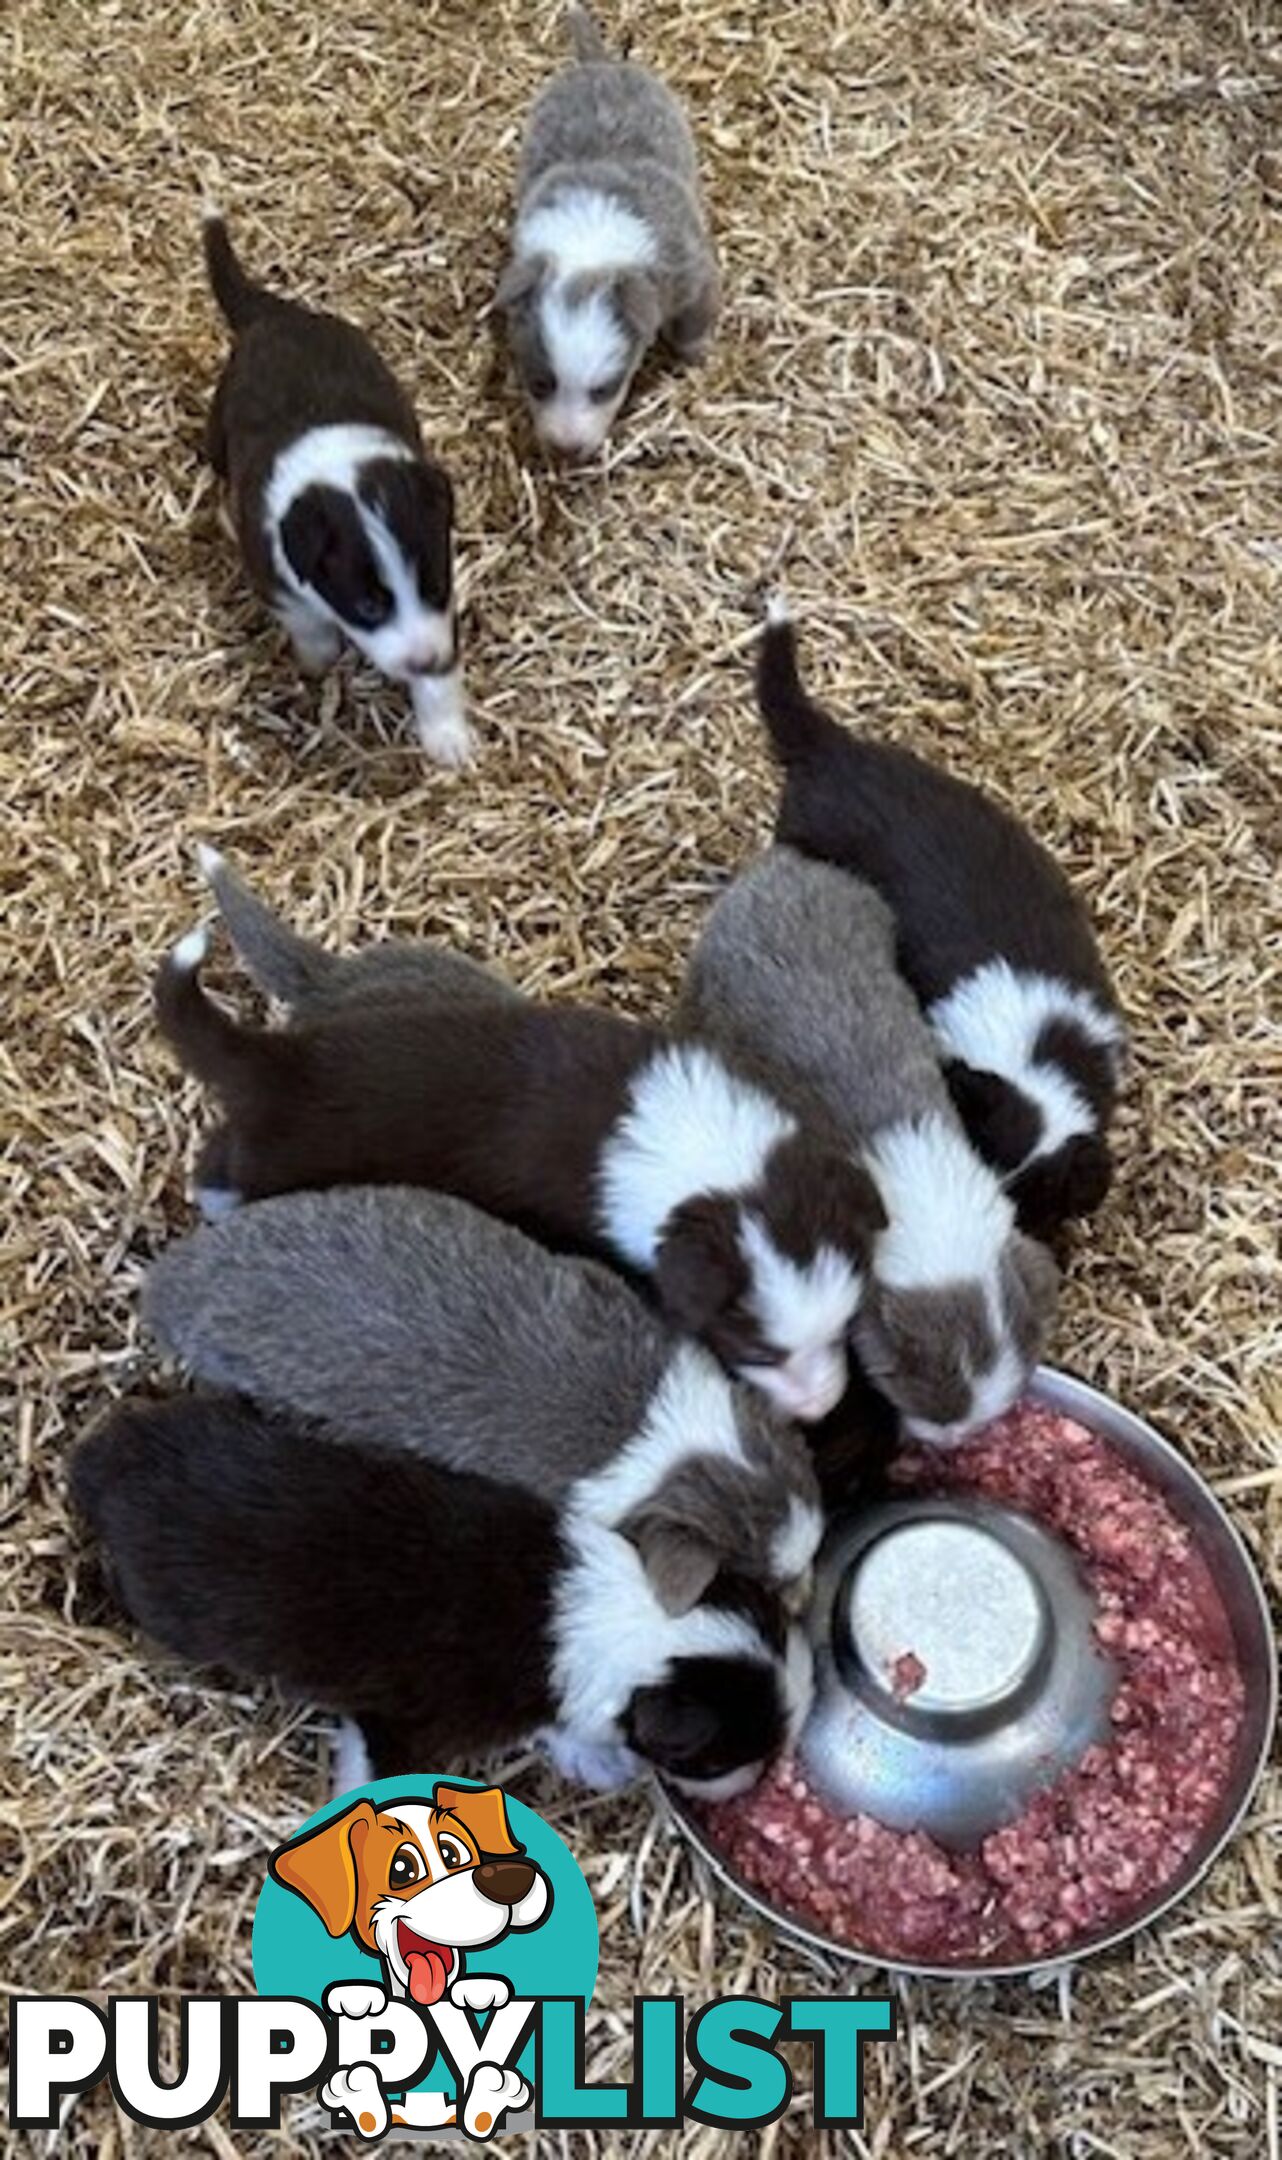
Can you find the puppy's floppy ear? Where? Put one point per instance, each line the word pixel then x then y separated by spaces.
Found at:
pixel 637 300
pixel 1004 1125
pixel 521 277
pixel 483 1813
pixel 317 525
pixel 676 1556
pixel 321 1867
pixel 669 1725
pixel 1037 1273
pixel 699 1269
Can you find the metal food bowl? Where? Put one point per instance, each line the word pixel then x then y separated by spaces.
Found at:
pixel 956 1671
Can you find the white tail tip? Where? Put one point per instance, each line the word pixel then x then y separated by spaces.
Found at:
pixel 190 951
pixel 777 608
pixel 211 213
pixel 208 861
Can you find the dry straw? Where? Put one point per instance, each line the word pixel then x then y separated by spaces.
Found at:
pixel 997 392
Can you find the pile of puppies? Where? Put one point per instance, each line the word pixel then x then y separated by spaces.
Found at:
pixel 538 1340
pixel 345 524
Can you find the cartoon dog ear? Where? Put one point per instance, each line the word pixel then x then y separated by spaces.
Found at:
pixel 484 1814
pixel 321 1867
pixel 677 1558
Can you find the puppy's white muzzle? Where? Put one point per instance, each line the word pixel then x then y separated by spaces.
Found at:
pixel 806 1386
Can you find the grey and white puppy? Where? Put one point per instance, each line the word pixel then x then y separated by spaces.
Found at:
pixel 419 1322
pixel 794 976
pixel 611 248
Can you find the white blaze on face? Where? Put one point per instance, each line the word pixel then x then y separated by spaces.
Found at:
pixel 588 354
pixel 805 1309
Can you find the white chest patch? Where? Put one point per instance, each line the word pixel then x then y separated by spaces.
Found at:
pixel 691 1126
pixel 991 1020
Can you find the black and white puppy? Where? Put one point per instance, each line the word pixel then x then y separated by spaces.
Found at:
pixel 448 1615
pixel 345 525
pixel 593 1132
pixel 991 937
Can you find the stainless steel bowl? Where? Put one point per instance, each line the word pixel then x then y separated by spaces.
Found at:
pixel 935 1751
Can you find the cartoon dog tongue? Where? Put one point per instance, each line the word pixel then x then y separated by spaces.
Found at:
pixel 428 1967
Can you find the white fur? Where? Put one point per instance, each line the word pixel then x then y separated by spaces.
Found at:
pixel 777 609
pixel 190 951
pixel 414 635
pixel 691 1126
pixel 948 1216
pixel 438 717
pixel 805 1311
pixel 795 1545
pixel 584 232
pixel 604 1767
pixel 350 1765
pixel 991 1020
pixel 691 1408
pixel 611 1635
pixel 992 1394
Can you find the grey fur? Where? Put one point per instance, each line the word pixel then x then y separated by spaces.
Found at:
pixel 611 127
pixel 794 979
pixel 422 1324
pixel 309 979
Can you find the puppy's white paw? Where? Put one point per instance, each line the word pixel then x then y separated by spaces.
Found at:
pixel 358 2092
pixel 350 1765
pixel 355 1999
pixel 490 2093
pixel 482 1991
pixel 604 1765
pixel 448 740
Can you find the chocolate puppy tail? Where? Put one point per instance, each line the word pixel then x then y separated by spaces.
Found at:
pixel 211 1045
pixel 281 962
pixel 796 725
pixel 585 37
pixel 237 295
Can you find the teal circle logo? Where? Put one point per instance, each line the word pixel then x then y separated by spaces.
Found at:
pixel 437 1896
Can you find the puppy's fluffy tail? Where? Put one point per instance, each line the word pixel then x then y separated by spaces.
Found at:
pixel 796 725
pixel 585 37
pixel 236 293
pixel 281 962
pixel 209 1043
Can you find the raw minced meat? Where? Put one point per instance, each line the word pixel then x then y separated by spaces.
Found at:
pixel 907 1674
pixel 1103 1838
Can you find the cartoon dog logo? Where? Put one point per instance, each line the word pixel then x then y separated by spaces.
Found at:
pixel 418 1884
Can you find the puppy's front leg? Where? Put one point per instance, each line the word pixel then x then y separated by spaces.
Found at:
pixel 317 644
pixel 438 717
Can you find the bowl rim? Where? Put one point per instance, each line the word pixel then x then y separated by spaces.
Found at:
pixel 1067 1393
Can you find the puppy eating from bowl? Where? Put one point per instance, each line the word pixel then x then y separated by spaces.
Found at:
pixel 611 249
pixel 593 1132
pixel 345 524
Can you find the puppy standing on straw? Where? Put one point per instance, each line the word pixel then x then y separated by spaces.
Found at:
pixel 611 248
pixel 345 525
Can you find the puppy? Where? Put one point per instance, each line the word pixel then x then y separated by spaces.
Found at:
pixel 796 969
pixel 345 525
pixel 990 935
pixel 431 1328
pixel 448 1614
pixel 591 1131
pixel 310 979
pixel 611 248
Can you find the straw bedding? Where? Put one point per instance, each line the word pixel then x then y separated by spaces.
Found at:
pixel 996 394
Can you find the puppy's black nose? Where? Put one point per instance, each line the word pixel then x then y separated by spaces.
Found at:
pixel 506 1882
